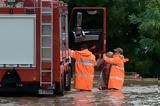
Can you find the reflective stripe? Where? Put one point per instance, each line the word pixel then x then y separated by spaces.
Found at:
pixel 88 75
pixel 118 67
pixel 117 78
pixel 85 62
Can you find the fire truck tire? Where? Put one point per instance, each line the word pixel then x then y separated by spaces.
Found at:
pixel 11 78
pixel 68 79
pixel 60 92
pixel 71 67
pixel 59 88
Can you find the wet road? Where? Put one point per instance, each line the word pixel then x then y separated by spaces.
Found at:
pixel 133 95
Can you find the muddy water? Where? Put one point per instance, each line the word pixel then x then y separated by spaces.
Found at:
pixel 133 95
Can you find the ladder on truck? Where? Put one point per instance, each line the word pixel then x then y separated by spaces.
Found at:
pixel 46 43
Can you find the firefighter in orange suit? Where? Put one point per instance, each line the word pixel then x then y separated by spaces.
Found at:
pixel 84 68
pixel 116 77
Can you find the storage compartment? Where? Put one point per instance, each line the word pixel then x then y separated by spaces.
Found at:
pixel 17 39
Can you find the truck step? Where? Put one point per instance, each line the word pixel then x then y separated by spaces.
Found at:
pixel 45 23
pixel 46 35
pixel 46 47
pixel 46 82
pixel 46 59
pixel 46 9
pixel 46 71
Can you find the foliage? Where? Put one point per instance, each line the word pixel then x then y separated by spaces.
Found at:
pixel 87 2
pixel 149 39
pixel 133 25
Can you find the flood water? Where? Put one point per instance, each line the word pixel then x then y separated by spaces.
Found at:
pixel 132 95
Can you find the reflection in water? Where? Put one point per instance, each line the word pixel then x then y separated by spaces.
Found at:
pixel 84 99
pixel 115 98
pixel 130 96
pixel 95 98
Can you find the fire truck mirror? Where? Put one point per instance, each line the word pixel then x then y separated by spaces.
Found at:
pixel 79 24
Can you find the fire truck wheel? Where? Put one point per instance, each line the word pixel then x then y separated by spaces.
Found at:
pixel 11 79
pixel 61 92
pixel 71 67
pixel 67 79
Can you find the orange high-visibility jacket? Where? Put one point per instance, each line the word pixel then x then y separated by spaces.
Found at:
pixel 116 77
pixel 84 69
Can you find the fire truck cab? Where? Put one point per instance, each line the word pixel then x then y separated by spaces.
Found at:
pixel 88 25
pixel 34 53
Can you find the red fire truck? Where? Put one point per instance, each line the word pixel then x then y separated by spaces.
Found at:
pixel 34 44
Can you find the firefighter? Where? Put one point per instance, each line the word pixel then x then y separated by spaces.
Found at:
pixel 105 70
pixel 116 77
pixel 84 68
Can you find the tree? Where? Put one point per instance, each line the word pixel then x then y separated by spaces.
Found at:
pixel 133 25
pixel 149 40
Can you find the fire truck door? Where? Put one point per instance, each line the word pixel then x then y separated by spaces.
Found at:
pixel 65 68
pixel 64 37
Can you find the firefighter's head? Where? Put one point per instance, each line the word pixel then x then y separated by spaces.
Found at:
pixel 118 50
pixel 109 54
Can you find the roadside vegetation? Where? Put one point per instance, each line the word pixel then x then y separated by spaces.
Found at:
pixel 133 25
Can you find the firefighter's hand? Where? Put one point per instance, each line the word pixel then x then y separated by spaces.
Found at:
pixel 104 56
pixel 92 48
pixel 70 51
pixel 69 60
pixel 100 56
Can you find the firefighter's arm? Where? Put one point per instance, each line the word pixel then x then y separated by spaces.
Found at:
pixel 94 60
pixel 110 60
pixel 125 60
pixel 72 53
pixel 95 63
pixel 100 60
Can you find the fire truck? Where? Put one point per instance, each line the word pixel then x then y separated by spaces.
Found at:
pixel 35 41
pixel 34 46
